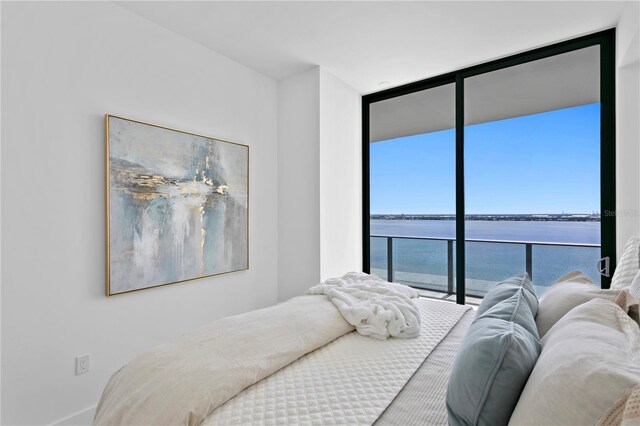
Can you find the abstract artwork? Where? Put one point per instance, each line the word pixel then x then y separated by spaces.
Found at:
pixel 177 206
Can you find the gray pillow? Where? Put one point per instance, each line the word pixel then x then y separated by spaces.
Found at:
pixel 514 309
pixel 508 288
pixel 493 364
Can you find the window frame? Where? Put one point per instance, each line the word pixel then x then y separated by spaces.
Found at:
pixel 606 40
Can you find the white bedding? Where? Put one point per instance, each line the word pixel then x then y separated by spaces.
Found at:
pixel 376 308
pixel 350 381
pixel 183 382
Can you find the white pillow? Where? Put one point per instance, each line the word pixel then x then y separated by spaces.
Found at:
pixel 588 360
pixel 569 291
pixel 575 277
pixel 625 411
pixel 634 293
pixel 628 266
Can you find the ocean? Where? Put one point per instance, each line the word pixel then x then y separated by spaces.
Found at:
pixel 423 263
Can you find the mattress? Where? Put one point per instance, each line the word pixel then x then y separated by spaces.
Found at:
pixel 351 380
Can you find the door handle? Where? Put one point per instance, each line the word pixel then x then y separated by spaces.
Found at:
pixel 603 266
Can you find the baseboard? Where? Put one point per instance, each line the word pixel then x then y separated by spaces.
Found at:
pixel 81 418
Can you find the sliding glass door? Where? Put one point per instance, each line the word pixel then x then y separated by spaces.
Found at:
pixel 412 197
pixel 532 170
pixel 491 171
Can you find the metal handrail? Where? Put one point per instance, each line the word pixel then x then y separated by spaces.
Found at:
pixel 528 252
pixel 475 240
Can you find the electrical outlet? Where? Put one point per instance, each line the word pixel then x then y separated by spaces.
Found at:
pixel 83 364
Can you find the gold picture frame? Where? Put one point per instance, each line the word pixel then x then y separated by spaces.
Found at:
pixel 177 206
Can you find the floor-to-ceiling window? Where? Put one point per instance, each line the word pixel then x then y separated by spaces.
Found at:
pixel 487 172
pixel 413 151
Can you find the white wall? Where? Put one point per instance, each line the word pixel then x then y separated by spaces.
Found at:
pixel 340 177
pixel 298 190
pixel 64 65
pixel 319 180
pixel 628 125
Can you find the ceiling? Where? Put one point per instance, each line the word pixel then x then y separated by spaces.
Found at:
pixel 365 43
pixel 560 81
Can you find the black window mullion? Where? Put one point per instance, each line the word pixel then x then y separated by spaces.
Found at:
pixel 366 198
pixel 460 225
pixel 607 153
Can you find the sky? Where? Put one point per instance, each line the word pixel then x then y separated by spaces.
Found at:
pixel 535 164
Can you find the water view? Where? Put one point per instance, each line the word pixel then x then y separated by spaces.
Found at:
pixel 541 169
pixel 423 262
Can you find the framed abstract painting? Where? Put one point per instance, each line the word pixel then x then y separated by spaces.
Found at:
pixel 177 206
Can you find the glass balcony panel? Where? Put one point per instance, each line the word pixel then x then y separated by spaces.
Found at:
pixel 378 247
pixel 551 262
pixel 421 263
pixel 489 263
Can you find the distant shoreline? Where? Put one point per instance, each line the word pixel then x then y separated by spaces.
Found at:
pixel 562 217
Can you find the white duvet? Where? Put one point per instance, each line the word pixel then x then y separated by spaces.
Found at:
pixel 376 308
pixel 182 382
pixel 352 380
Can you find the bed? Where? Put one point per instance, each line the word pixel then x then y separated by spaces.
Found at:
pixel 356 380
pixel 303 362
pixel 298 362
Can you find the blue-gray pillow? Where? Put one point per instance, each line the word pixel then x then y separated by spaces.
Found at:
pixel 493 364
pixel 508 288
pixel 490 371
pixel 514 309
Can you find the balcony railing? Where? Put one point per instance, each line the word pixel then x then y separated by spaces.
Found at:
pixel 588 259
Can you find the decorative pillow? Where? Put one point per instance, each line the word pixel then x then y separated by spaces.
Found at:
pixel 628 265
pixel 569 291
pixel 508 288
pixel 625 411
pixel 575 277
pixel 589 358
pixel 493 363
pixel 514 309
pixel 634 293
